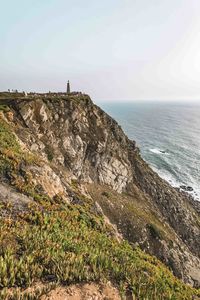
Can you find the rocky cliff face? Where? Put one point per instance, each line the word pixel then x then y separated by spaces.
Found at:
pixel 81 137
pixel 87 148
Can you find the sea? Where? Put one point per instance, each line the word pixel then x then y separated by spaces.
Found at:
pixel 168 135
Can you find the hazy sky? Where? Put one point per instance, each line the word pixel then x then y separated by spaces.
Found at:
pixel 110 49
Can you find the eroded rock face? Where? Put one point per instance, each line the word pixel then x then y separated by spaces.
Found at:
pixel 82 138
pixel 75 135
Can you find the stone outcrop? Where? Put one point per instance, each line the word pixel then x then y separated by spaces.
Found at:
pixel 78 142
pixel 80 137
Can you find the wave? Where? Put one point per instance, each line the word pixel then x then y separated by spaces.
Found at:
pixel 167 176
pixel 195 193
pixel 169 142
pixel 158 151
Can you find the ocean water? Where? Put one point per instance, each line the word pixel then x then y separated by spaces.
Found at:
pixel 168 135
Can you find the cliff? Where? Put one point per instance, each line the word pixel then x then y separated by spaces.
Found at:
pixel 74 151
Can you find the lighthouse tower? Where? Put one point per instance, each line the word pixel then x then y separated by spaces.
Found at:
pixel 68 87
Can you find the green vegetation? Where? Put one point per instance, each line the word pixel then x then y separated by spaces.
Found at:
pixel 12 158
pixel 155 231
pixel 67 244
pixel 4 108
pixel 7 138
pixel 9 148
pixel 132 210
pixel 49 152
pixel 106 194
pixel 63 243
pixel 10 95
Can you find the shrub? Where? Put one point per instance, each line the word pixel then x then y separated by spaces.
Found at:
pixel 49 152
pixel 106 194
pixel 155 231
pixel 4 108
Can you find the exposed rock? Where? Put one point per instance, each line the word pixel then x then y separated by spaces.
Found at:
pixel 80 144
pixel 9 116
pixel 77 140
pixel 186 188
pixel 10 196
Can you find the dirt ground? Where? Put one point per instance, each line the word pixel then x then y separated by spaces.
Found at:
pixel 89 291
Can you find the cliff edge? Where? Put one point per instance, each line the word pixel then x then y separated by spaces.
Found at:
pixel 82 150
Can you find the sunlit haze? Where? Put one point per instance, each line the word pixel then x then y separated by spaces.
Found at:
pixel 111 49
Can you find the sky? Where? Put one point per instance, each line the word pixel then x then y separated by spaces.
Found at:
pixel 113 50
